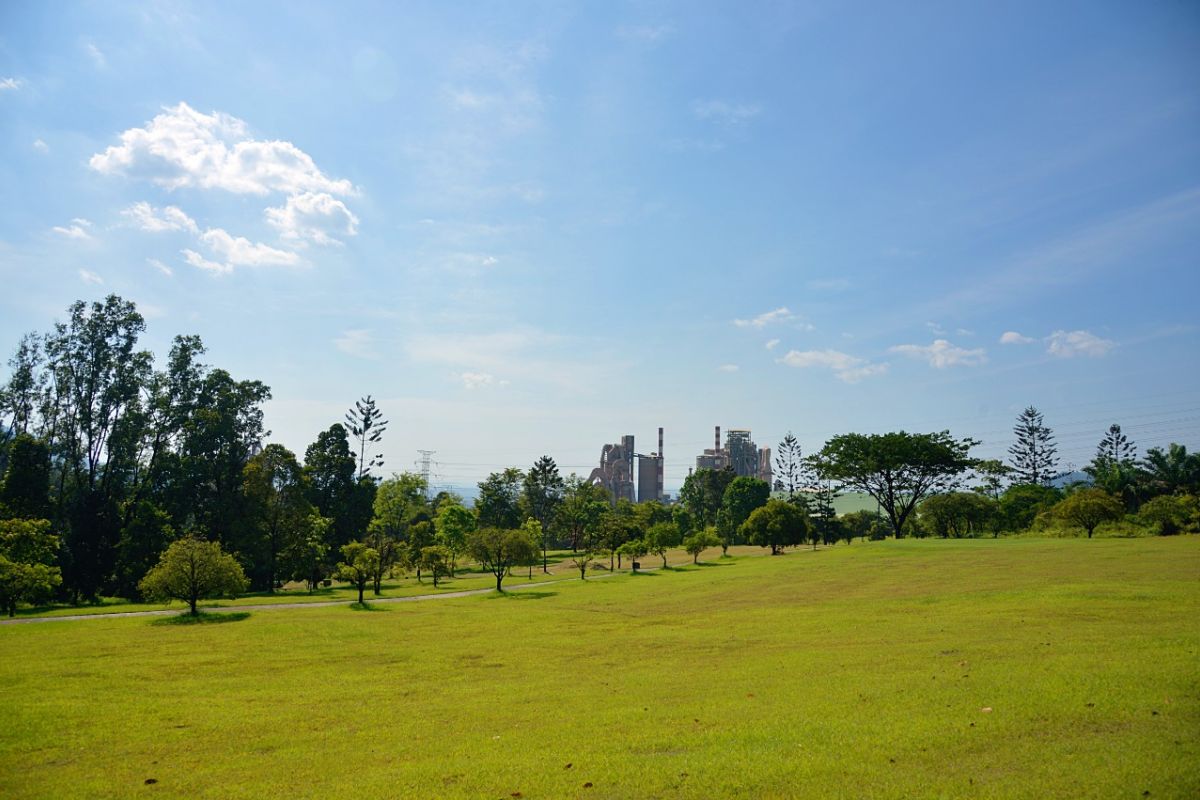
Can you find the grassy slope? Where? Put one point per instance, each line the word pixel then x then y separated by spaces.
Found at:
pixel 855 671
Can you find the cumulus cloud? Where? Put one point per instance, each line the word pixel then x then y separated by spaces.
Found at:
pixel 182 147
pixel 1012 337
pixel 781 314
pixel 149 218
pixel 845 367
pixel 477 380
pixel 313 216
pixel 358 343
pixel 942 354
pixel 1068 344
pixel 724 112
pixel 10 84
pixel 160 266
pixel 772 343
pixel 87 276
pixel 238 251
pixel 200 262
pixel 728 368
pixel 78 229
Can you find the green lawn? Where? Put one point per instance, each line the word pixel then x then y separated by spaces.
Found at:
pixel 1011 668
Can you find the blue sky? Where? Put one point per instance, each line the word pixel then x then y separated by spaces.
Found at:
pixel 531 228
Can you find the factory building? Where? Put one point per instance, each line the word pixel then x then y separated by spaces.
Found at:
pixel 739 453
pixel 650 474
pixel 616 472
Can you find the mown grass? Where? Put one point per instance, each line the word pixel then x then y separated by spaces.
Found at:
pixel 1011 668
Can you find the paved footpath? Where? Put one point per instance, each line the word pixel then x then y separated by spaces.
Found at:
pixel 317 604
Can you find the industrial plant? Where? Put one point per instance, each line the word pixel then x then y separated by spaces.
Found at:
pixel 638 477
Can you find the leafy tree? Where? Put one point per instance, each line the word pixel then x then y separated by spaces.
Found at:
pixel 991 474
pixel 700 541
pixel 143 539
pixel 27 571
pixel 682 520
pixel 958 514
pixel 277 509
pixel 1087 508
pixel 25 483
pixel 863 524
pixel 1172 513
pixel 307 552
pixel 22 395
pixel 776 525
pixel 1021 503
pixel 661 537
pixel 703 492
pixel 498 504
pixel 742 496
pixel 822 510
pixel 1173 471
pixel 584 505
pixel 366 424
pixel 541 496
pixel 359 566
pixel 454 523
pixel 436 560
pixel 1114 468
pixel 497 550
pixel 399 508
pixel 192 569
pixel 897 469
pixel 581 560
pixel 636 550
pixel 1033 453
pixel 330 469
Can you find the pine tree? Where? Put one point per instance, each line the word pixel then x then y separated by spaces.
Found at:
pixel 1115 447
pixel 790 472
pixel 1033 454
pixel 367 426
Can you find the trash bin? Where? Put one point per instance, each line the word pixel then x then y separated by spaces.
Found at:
pixel 637 565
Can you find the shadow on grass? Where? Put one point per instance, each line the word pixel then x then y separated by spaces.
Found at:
pixel 714 564
pixel 202 618
pixel 365 606
pixel 645 574
pixel 521 595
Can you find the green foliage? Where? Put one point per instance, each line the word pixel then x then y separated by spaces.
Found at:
pixel 579 515
pixel 1171 514
pixel 700 541
pixel 776 525
pixel 436 560
pixel 1033 453
pixel 742 496
pixel 453 524
pixel 1171 471
pixel 959 514
pixel 27 554
pixel 366 424
pixel 400 526
pixel 277 512
pixel 25 483
pixel 897 469
pixel 1087 508
pixel 330 467
pixel 499 549
pixel 306 555
pixel 1023 502
pixel 541 497
pixel 358 566
pixel 864 524
pixel 661 537
pixel 146 534
pixel 703 493
pixel 192 569
pixel 635 550
pixel 499 502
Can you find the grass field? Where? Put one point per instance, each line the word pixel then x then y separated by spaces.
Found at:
pixel 1011 668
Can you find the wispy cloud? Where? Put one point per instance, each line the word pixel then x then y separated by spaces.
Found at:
pixel 771 344
pixel 160 266
pixel 778 315
pixel 87 276
pixel 10 84
pixel 96 55
pixel 148 218
pixel 724 112
pixel 1068 344
pixel 845 367
pixel 78 229
pixel 1012 337
pixel 728 368
pixel 357 342
pixel 41 146
pixel 647 34
pixel 472 381
pixel 942 354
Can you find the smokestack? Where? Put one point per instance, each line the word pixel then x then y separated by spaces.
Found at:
pixel 717 440
pixel 662 464
pixel 660 448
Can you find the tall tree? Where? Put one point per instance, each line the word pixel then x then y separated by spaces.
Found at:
pixel 1114 468
pixel 790 471
pixel 367 425
pixel 399 505
pixel 25 481
pixel 702 494
pixel 1171 471
pixel 897 469
pixel 584 504
pixel 742 497
pixel 21 397
pixel 27 553
pixel 453 524
pixel 776 525
pixel 499 502
pixel 329 467
pixel 1033 453
pixel 278 511
pixel 541 496
pixel 498 550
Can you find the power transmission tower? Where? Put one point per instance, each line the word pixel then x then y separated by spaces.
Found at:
pixel 424 463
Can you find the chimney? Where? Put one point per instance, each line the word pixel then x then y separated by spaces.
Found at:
pixel 717 440
pixel 662 463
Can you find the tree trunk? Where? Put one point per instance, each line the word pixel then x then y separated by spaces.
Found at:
pixel 361 588
pixel 499 578
pixel 192 603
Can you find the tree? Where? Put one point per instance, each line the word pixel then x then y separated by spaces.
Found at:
pixel 822 510
pixel 307 552
pixel 863 524
pixel 366 424
pixel 192 569
pixel 958 514
pixel 636 550
pixel 498 504
pixel 27 571
pixel 1171 513
pixel 359 566
pixel 541 496
pixel 277 509
pixel 703 492
pixel 661 537
pixel 143 539
pixel 790 471
pixel 329 467
pixel 1114 468
pixel 1033 453
pixel 581 561
pixel 21 397
pixel 584 504
pixel 1021 503
pixel 1087 508
pixel 897 469
pixel 776 525
pixel 700 541
pixel 436 560
pixel 498 549
pixel 1173 471
pixel 991 474
pixel 25 482
pixel 453 524
pixel 399 508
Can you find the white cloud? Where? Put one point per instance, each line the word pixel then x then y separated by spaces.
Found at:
pixel 935 328
pixel 238 251
pixel 78 229
pixel 41 146
pixel 313 216
pixel 149 218
pixel 964 332
pixel 477 380
pixel 766 318
pixel 728 368
pixel 942 354
pixel 10 84
pixel 726 113
pixel 1012 337
pixel 200 262
pixel 358 343
pixel 96 54
pixel 160 266
pixel 87 276
pixel 772 343
pixel 643 33
pixel 1066 344
pixel 846 367
pixel 182 147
